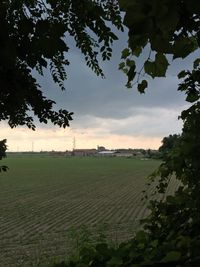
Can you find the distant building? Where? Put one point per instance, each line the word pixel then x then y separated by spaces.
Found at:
pixel 124 154
pixel 107 153
pixel 84 152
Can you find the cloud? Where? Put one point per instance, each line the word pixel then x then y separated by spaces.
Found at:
pixel 87 94
pixel 90 96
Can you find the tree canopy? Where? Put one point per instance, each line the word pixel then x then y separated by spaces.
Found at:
pixel 165 28
pixel 34 35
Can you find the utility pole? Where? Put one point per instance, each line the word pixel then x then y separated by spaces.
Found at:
pixel 74 143
pixel 32 146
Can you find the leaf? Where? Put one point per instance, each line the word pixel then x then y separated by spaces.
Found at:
pixel 196 63
pixel 125 53
pixel 142 86
pixel 158 67
pixel 160 44
pixel 129 85
pixel 131 73
pixel 171 256
pixel 169 21
pixel 137 51
pixel 115 261
pixel 121 65
pixel 182 74
pixel 41 27
pixel 161 64
pixel 154 243
pixel 80 264
pixel 113 36
pixel 43 62
pixel 193 6
pixel 136 41
pixel 183 46
pixel 125 70
pixel 102 48
pixel 130 63
pixel 123 4
pixel 149 68
pixel 102 248
pixel 192 96
pixel 141 236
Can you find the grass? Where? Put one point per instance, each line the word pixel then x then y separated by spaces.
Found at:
pixel 42 198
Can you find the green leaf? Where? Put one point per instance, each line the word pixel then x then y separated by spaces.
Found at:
pixel 121 65
pixel 182 74
pixel 192 96
pixel 125 53
pixel 115 261
pixel 171 256
pixel 123 4
pixel 113 36
pixel 129 85
pixel 158 67
pixel 43 62
pixel 137 51
pixel 131 73
pixel 136 41
pixel 183 46
pixel 160 44
pixel 125 70
pixel 196 63
pixel 102 48
pixel 149 68
pixel 154 243
pixel 130 63
pixel 161 64
pixel 102 248
pixel 80 264
pixel 141 236
pixel 169 21
pixel 142 86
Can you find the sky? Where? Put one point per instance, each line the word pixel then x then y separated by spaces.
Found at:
pixel 106 113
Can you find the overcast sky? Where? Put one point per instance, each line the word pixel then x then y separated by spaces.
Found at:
pixel 105 111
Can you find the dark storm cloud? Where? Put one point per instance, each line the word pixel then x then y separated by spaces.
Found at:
pixel 91 97
pixel 87 94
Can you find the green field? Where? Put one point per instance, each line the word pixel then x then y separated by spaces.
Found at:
pixel 41 198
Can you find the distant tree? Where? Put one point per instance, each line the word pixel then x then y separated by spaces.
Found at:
pixel 143 152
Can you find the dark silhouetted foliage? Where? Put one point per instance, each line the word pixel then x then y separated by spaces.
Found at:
pixel 34 35
pixel 3 148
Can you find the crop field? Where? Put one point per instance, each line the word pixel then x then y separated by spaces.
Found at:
pixel 42 198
